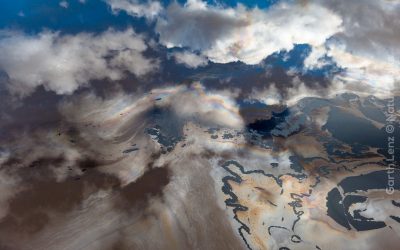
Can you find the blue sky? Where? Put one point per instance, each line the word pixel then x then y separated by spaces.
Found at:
pixel 94 15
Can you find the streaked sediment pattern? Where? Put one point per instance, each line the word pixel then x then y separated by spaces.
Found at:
pixel 199 125
pixel 152 167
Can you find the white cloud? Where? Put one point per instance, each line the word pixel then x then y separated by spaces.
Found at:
pixel 64 4
pixel 248 35
pixel 150 9
pixel 377 74
pixel 316 58
pixel 209 108
pixel 62 63
pixel 189 59
pixel 367 47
